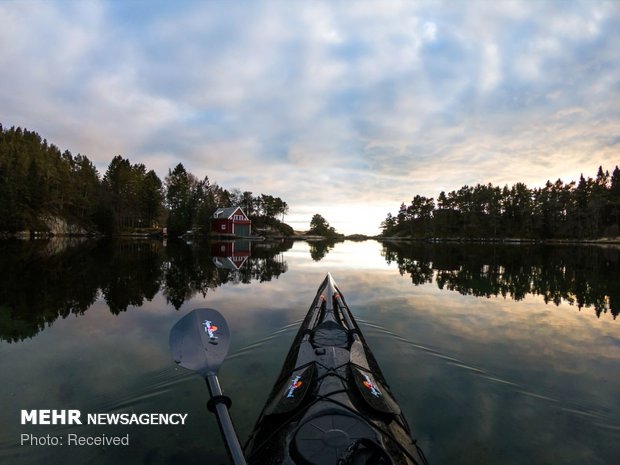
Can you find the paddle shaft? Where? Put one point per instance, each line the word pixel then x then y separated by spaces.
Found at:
pixel 225 422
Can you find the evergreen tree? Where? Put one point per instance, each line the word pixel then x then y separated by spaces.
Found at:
pixel 388 226
pixel 151 199
pixel 181 188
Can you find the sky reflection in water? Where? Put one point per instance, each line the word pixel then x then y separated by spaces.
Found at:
pixel 481 380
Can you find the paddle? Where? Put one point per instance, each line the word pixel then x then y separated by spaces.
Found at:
pixel 199 341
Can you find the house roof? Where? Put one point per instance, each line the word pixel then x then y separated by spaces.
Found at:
pixel 227 212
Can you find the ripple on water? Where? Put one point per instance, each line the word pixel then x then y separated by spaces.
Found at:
pixel 572 407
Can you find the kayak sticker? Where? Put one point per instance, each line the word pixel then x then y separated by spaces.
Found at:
pixel 372 387
pixel 210 329
pixel 295 384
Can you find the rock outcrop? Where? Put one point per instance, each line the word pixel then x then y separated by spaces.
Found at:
pixel 57 226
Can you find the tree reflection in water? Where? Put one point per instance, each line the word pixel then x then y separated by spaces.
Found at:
pixel 43 280
pixel 583 276
pixel 318 249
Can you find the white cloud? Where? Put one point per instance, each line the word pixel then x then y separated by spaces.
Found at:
pixel 429 31
pixel 491 69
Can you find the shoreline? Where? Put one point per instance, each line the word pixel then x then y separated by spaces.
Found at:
pixel 39 235
pixel 504 240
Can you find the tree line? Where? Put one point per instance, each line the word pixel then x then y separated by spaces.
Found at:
pixel 37 179
pixel 589 208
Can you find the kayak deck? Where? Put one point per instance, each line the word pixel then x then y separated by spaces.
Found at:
pixel 331 404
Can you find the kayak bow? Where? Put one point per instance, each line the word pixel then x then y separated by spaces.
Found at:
pixel 331 404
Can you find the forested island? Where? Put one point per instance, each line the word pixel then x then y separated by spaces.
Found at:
pixel 44 189
pixel 587 209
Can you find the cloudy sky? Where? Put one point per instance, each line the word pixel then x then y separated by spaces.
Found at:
pixel 342 108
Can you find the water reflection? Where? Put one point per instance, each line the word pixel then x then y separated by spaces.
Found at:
pixel 582 276
pixel 486 380
pixel 43 281
pixel 47 280
pixel 318 249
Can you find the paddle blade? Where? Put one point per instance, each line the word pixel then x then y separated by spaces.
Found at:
pixel 200 341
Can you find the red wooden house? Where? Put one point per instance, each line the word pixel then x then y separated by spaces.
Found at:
pixel 231 222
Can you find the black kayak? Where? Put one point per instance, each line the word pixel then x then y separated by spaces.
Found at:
pixel 331 404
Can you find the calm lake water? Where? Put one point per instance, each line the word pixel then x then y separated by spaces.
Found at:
pixel 496 354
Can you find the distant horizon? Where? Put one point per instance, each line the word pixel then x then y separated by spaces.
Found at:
pixel 345 110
